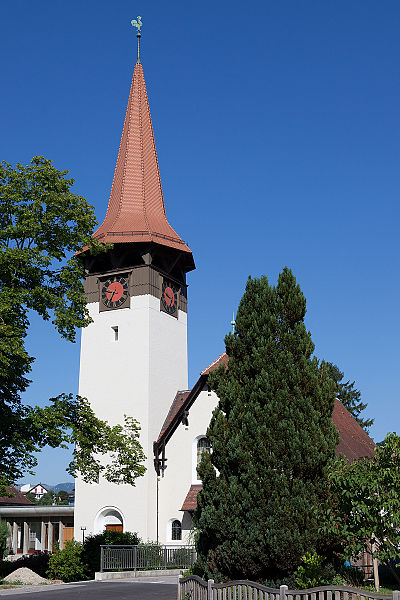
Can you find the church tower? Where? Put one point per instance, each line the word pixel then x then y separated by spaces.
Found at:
pixel 134 354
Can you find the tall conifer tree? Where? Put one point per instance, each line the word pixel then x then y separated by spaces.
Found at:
pixel 272 438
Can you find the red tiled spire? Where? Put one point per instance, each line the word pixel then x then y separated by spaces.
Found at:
pixel 136 210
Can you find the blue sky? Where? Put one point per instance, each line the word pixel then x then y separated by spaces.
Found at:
pixel 277 130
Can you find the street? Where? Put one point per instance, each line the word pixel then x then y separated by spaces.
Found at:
pixel 163 589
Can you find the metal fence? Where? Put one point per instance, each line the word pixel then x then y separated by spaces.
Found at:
pixel 194 588
pixel 146 557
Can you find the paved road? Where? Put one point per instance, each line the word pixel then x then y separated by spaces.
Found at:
pixel 101 590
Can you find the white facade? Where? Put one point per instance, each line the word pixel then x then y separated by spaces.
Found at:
pixel 181 471
pixel 133 371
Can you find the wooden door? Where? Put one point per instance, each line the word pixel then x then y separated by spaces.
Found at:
pixel 113 527
pixel 68 535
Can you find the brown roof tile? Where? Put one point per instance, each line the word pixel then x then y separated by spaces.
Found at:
pixel 175 406
pixel 17 498
pixel 221 360
pixel 190 502
pixel 136 210
pixel 354 441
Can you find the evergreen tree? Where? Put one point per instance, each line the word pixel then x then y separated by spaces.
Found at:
pixel 272 438
pixel 348 395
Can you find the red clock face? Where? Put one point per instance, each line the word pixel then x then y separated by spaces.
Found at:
pixel 114 292
pixel 169 296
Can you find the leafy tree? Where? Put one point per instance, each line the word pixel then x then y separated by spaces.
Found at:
pixel 366 507
pixel 43 225
pixel 348 395
pixel 51 498
pixel 272 438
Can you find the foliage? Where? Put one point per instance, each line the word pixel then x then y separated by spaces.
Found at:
pixel 272 438
pixel 366 504
pixel 91 546
pixel 4 535
pixel 67 564
pixel 348 395
pixel 314 571
pixel 309 573
pixel 30 496
pixel 43 226
pixel 72 421
pixel 51 498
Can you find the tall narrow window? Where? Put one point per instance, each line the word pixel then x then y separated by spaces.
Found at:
pixel 203 445
pixel 176 530
pixel 115 330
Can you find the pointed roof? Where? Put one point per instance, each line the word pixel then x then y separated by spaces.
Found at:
pixel 136 210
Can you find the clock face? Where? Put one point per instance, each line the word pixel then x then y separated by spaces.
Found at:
pixel 169 297
pixel 114 292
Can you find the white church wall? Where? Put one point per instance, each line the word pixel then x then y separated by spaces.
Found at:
pixel 178 477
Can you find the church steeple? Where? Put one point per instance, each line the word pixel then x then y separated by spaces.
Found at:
pixel 136 210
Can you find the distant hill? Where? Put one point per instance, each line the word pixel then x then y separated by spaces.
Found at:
pixel 67 486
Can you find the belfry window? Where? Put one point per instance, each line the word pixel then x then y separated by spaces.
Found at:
pixel 176 530
pixel 203 445
pixel 115 330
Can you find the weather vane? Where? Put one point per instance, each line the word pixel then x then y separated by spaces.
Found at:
pixel 138 24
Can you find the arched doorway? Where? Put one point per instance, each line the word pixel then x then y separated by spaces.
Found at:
pixel 110 518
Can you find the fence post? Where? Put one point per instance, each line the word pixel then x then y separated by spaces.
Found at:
pixel 282 592
pixel 209 589
pixel 179 586
pixel 396 595
pixel 101 559
pixel 135 559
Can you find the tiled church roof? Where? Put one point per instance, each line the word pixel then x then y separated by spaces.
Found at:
pixel 354 441
pixel 136 210
pixel 175 406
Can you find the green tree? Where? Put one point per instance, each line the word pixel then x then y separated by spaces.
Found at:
pixel 366 506
pixel 272 438
pixel 43 226
pixel 348 395
pixel 51 498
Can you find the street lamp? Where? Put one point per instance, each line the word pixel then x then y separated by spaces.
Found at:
pixel 83 529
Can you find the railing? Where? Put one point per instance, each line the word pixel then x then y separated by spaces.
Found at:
pixel 142 557
pixel 194 588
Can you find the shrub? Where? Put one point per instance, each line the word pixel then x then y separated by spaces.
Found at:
pixel 67 564
pixel 4 535
pixel 91 546
pixel 309 573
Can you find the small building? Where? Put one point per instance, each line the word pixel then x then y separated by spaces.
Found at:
pixel 33 528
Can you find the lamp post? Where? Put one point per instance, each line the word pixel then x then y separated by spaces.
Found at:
pixel 83 529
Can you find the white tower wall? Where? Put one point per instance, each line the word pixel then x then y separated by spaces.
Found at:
pixel 137 375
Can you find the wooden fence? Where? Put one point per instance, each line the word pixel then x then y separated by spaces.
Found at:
pixel 194 588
